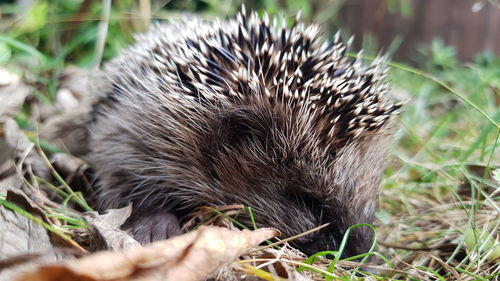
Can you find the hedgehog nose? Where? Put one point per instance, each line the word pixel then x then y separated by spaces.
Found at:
pixel 317 244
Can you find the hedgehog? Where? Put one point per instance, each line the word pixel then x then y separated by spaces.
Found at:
pixel 244 111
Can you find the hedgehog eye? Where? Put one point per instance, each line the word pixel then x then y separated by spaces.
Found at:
pixel 305 198
pixel 242 123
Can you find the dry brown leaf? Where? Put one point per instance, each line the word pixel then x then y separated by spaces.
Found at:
pixel 67 129
pixel 10 182
pixel 12 93
pixel 68 132
pixel 189 257
pixel 24 148
pixel 24 244
pixel 107 228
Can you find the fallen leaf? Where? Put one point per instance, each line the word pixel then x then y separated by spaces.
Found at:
pixel 24 244
pixel 107 228
pixel 66 100
pixel 189 257
pixel 24 148
pixel 68 132
pixel 12 94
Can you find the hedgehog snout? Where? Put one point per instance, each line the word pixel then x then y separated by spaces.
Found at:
pixel 317 243
pixel 330 238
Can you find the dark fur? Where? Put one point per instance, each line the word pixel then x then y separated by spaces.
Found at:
pixel 209 114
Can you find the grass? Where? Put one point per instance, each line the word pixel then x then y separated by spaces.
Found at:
pixel 439 211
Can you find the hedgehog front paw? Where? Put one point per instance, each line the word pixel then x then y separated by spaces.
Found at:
pixel 147 228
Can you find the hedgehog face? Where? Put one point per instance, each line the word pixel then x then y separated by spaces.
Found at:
pixel 294 182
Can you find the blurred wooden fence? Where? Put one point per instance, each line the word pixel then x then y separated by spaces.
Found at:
pixel 468 25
